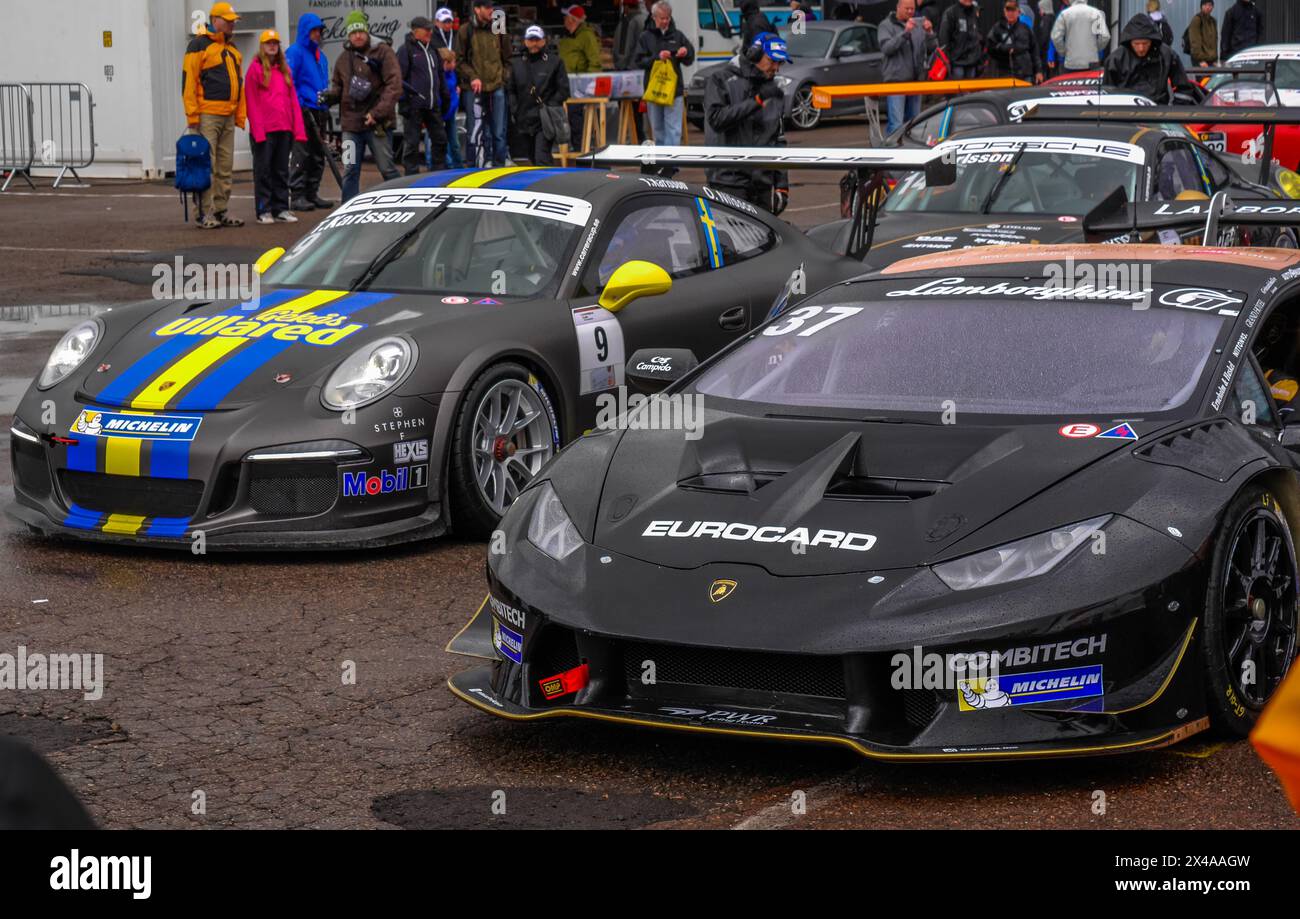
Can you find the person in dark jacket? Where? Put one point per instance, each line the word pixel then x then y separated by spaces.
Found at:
pixel 743 108
pixel 1047 59
pixel 311 76
pixel 663 41
pixel 1013 49
pixel 797 6
pixel 753 22
pixel 537 79
pixel 1203 36
pixel 424 96
pixel 960 38
pixel 627 33
pixel 366 82
pixel 444 39
pixel 1144 64
pixel 483 57
pixel 1243 27
pixel 907 41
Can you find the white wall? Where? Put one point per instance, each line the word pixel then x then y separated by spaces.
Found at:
pixel 138 110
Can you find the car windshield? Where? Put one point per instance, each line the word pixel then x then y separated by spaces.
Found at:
pixel 1060 184
pixel 1288 74
pixel 464 251
pixel 985 357
pixel 1244 92
pixel 812 43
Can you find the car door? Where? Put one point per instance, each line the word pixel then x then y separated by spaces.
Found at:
pixel 704 310
pixel 855 59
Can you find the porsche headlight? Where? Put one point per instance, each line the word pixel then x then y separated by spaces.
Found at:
pixel 1017 560
pixel 782 81
pixel 72 349
pixel 1289 182
pixel 368 374
pixel 551 530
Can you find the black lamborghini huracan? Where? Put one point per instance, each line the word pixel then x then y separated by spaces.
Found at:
pixel 990 503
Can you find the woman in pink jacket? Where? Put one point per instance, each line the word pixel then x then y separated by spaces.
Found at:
pixel 274 123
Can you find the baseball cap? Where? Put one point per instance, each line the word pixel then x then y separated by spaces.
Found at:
pixel 223 11
pixel 478 3
pixel 576 12
pixel 534 32
pixel 443 15
pixel 421 22
pixel 773 46
pixel 268 35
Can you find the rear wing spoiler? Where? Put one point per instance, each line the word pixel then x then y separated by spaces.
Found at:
pixel 866 166
pixel 1267 117
pixel 824 96
pixel 1117 215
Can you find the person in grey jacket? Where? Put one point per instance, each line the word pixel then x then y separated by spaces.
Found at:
pixel 907 41
pixel 1079 35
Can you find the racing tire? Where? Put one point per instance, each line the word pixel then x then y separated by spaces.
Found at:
pixel 1250 611
pixel 802 114
pixel 506 429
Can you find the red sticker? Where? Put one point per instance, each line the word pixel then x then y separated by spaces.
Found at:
pixel 564 683
pixel 455 301
pixel 1080 429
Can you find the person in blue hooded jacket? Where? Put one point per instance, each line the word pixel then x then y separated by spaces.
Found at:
pixel 311 75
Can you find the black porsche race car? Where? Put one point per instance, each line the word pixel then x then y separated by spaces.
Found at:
pixel 1041 180
pixel 993 503
pixel 408 365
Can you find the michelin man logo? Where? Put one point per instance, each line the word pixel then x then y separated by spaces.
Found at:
pixel 983 693
pixel 90 423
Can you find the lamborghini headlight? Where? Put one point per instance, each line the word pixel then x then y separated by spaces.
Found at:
pixel 1289 182
pixel 72 349
pixel 368 374
pixel 1024 558
pixel 550 529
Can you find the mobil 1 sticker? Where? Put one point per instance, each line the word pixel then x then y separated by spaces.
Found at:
pixel 600 349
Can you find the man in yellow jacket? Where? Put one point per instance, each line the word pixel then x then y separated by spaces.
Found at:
pixel 213 90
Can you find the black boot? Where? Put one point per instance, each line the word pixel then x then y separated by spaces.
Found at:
pixel 302 204
pixel 323 203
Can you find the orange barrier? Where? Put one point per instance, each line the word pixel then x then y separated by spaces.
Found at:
pixel 824 95
pixel 1277 735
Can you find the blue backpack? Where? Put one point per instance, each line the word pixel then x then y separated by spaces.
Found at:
pixel 193 168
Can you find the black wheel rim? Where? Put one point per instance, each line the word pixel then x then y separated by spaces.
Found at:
pixel 1259 605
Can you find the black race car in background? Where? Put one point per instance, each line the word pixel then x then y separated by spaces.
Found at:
pixel 407 366
pixel 937 123
pixel 1044 181
pixel 976 506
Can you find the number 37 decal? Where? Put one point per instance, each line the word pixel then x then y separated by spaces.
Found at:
pixel 796 320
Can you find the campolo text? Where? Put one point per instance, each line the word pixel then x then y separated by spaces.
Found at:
pixel 324 329
pixel 25 671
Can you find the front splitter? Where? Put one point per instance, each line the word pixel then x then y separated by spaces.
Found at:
pixel 475 687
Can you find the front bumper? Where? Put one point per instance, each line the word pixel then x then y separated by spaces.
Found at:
pixel 839 660
pixel 369 483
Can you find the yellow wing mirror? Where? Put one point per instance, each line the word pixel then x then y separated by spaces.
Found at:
pixel 267 259
pixel 632 280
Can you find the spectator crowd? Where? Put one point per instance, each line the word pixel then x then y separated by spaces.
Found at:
pixel 509 83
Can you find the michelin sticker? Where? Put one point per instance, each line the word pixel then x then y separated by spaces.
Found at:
pixel 1044 686
pixel 94 423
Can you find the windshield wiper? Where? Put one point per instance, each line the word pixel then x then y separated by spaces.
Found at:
pixel 395 248
pixel 1002 179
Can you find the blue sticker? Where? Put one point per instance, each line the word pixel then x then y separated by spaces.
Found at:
pixel 508 642
pixel 1120 432
pixel 1010 689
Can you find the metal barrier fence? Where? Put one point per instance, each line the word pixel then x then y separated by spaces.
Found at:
pixel 57 127
pixel 17 144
